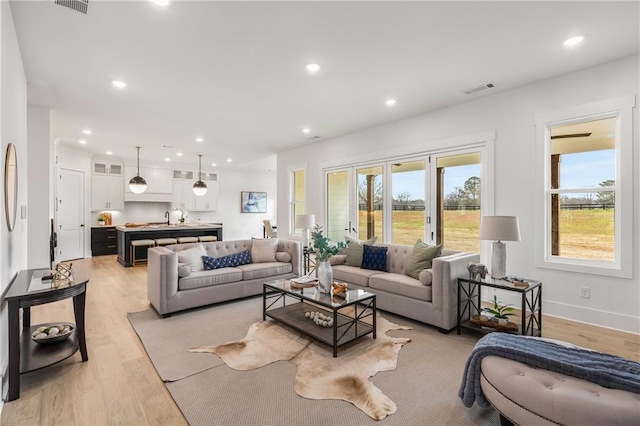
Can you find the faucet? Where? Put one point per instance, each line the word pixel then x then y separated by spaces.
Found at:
pixel 167 215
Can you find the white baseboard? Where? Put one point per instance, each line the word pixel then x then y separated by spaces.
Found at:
pixel 598 318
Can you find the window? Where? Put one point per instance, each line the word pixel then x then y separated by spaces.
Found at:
pixel 587 182
pixel 298 198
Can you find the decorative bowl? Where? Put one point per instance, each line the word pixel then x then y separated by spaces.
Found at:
pixel 46 335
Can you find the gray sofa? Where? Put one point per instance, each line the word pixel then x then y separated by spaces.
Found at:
pixel 430 299
pixel 173 286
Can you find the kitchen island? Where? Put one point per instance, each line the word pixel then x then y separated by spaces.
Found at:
pixel 153 232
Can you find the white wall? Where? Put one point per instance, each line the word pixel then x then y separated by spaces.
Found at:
pixel 614 302
pixel 13 128
pixel 39 207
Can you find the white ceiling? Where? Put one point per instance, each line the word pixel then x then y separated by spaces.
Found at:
pixel 234 72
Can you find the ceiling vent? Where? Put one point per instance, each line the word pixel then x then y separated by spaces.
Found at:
pixel 478 89
pixel 77 5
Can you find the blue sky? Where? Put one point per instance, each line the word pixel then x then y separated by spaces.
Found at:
pixel 580 170
pixel 587 169
pixel 413 182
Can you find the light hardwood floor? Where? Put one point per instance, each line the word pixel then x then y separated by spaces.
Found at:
pixel 119 385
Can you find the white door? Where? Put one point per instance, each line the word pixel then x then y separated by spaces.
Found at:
pixel 71 216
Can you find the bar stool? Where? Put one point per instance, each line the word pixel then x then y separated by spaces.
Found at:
pixel 207 238
pixel 166 241
pixel 140 243
pixel 182 240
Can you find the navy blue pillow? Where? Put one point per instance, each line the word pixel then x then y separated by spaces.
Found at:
pixel 235 259
pixel 374 257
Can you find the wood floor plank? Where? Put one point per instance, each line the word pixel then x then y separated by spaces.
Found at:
pixel 119 385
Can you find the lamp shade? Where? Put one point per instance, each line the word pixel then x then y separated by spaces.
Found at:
pixel 499 228
pixel 137 184
pixel 305 221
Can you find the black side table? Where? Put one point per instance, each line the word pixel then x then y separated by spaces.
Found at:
pixel 469 303
pixel 24 354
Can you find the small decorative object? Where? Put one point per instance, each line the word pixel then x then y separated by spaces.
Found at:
pixel 323 252
pixel 499 311
pixel 339 289
pixel 46 335
pixel 477 271
pixel 102 220
pixel 319 318
pixel 62 274
pixel 499 318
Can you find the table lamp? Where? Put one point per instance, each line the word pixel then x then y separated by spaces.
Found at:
pixel 306 222
pixel 498 229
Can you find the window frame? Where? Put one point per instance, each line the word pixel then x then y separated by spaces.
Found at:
pixel 291 171
pixel 622 109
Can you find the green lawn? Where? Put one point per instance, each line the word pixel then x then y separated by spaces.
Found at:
pixel 585 234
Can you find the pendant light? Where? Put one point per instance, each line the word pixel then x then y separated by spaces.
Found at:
pixel 199 188
pixel 137 184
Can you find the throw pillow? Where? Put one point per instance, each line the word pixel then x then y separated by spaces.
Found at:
pixel 235 259
pixel 193 257
pixel 282 256
pixel 264 250
pixel 209 263
pixel 374 257
pixel 421 258
pixel 354 250
pixel 184 270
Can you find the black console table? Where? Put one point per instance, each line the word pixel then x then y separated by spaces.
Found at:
pixel 469 303
pixel 24 354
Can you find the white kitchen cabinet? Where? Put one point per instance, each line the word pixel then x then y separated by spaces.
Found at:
pixel 209 201
pixel 107 168
pixel 107 192
pixel 183 196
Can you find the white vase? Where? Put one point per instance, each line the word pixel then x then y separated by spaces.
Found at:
pixel 325 277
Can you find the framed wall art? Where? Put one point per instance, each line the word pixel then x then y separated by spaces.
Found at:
pixel 253 202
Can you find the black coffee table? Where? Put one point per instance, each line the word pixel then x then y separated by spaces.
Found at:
pixel 288 305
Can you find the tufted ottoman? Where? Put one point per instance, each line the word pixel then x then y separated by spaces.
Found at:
pixel 527 395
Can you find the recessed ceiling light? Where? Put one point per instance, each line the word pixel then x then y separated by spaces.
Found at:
pixel 167 159
pixel 109 153
pixel 199 140
pixel 161 2
pixel 229 160
pixel 306 130
pixel 313 67
pixel 87 131
pixel 213 164
pixel 390 102
pixel 572 41
pixel 119 84
pixel 82 141
pixel 179 154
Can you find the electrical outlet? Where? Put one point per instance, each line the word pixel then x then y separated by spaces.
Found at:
pixel 585 292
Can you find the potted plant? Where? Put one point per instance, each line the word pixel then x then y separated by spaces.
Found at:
pixel 499 311
pixel 102 220
pixel 323 251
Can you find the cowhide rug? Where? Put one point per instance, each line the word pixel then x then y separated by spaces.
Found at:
pixel 319 375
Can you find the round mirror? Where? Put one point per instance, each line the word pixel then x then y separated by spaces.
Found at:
pixel 11 186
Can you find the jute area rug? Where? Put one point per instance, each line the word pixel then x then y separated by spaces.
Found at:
pixel 423 385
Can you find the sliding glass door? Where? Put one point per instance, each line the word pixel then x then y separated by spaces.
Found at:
pixel 434 198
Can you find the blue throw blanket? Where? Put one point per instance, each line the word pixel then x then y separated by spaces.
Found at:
pixel 606 370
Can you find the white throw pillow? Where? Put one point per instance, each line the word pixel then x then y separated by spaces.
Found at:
pixel 193 256
pixel 264 250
